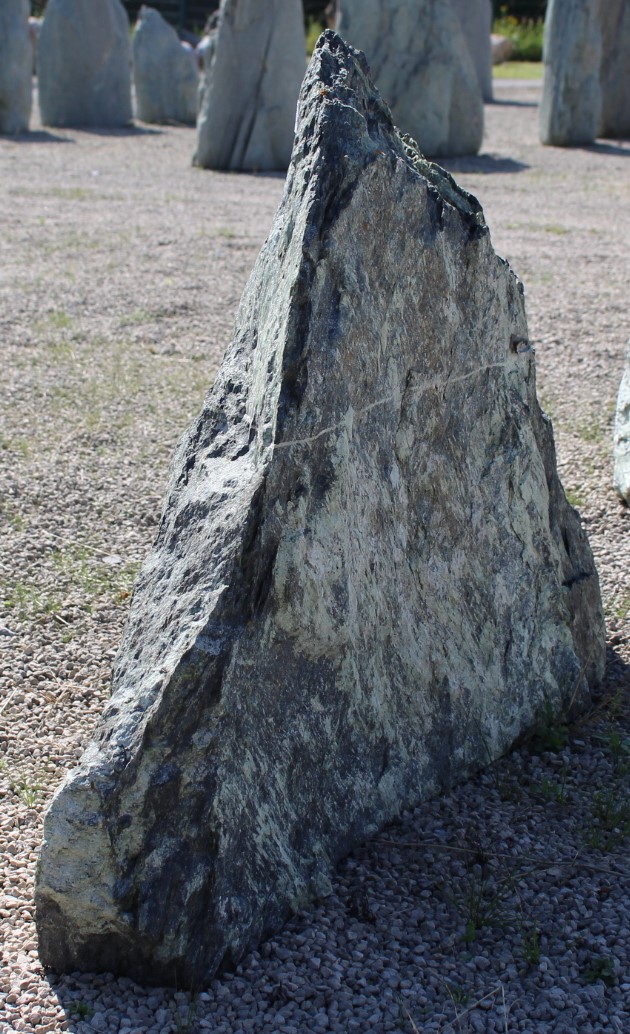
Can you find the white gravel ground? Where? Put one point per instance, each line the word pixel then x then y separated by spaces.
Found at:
pixel 501 907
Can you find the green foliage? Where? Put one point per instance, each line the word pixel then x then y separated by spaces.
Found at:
pixel 518 70
pixel 551 733
pixel 526 35
pixel 314 28
pixel 609 825
pixel 601 967
pixel 530 947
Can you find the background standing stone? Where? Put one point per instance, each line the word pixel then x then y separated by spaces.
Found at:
pixel 16 63
pixel 250 90
pixel 84 64
pixel 476 19
pixel 615 68
pixel 166 75
pixel 571 106
pixel 366 583
pixel 422 66
pixel 621 443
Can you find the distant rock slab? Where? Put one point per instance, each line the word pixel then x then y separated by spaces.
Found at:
pixel 422 65
pixel 476 20
pixel 250 89
pixel 586 88
pixel 166 75
pixel 615 69
pixel 367 581
pixel 16 67
pixel 570 109
pixel 621 441
pixel 84 64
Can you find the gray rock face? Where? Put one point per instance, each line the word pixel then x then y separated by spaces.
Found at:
pixel 615 69
pixel 367 579
pixel 250 91
pixel 422 66
pixel 621 440
pixel 84 64
pixel 166 76
pixel 571 106
pixel 16 63
pixel 476 21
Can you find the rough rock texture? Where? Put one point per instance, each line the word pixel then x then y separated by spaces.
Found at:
pixel 621 441
pixel 249 95
pixel 366 582
pixel 615 68
pixel 476 20
pixel 16 63
pixel 166 75
pixel 570 110
pixel 84 64
pixel 423 68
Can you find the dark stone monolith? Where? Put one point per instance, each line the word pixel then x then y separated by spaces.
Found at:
pixel 367 581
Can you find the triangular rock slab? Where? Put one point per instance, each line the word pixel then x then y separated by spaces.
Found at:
pixel 366 583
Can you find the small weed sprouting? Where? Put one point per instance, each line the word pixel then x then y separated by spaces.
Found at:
pixel 27 790
pixel 609 825
pixel 481 902
pixel 551 732
pixel 457 994
pixel 81 1010
pixel 600 967
pixel 574 499
pixel 184 1021
pixel 530 946
pixel 552 791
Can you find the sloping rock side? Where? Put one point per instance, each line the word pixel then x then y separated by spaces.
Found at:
pixel 366 583
pixel 621 438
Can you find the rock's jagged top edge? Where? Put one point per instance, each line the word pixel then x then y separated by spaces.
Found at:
pixel 347 58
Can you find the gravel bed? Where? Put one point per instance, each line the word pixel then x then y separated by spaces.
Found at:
pixel 502 906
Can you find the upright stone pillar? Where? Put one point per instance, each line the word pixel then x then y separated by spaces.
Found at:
pixel 84 64
pixel 16 67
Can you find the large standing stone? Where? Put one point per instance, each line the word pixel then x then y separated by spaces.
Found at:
pixel 16 66
pixel 422 66
pixel 249 96
pixel 166 75
pixel 366 583
pixel 476 20
pixel 621 441
pixel 84 64
pixel 571 106
pixel 615 68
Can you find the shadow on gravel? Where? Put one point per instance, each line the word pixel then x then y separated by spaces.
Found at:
pixel 618 149
pixel 485 163
pixel 617 674
pixel 502 102
pixel 118 131
pixel 38 136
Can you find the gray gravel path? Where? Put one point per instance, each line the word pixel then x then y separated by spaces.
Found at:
pixel 503 906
